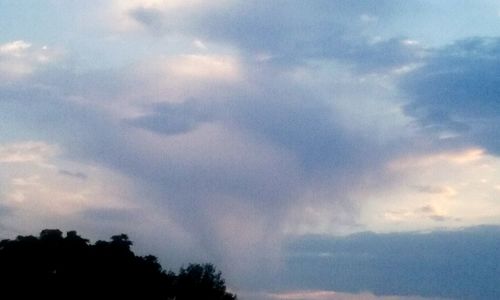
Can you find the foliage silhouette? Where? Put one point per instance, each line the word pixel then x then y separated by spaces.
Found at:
pixel 52 266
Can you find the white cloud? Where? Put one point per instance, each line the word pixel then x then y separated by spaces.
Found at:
pixel 428 211
pixel 454 188
pixel 15 48
pixel 19 59
pixel 368 18
pixel 120 11
pixel 37 194
pixel 24 152
pixel 178 78
pixel 458 157
pixel 158 4
pixel 204 67
pixel 331 295
pixel 368 104
pixel 200 45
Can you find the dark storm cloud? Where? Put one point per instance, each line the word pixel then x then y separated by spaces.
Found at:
pixel 457 92
pixel 462 264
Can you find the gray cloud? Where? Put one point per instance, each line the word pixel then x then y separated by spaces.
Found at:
pixel 456 93
pixel 430 212
pixel 46 113
pixel 271 145
pixel 176 118
pixel 278 113
pixel 290 32
pixel 152 18
pixel 431 189
pixel 461 264
pixel 78 175
pixel 109 215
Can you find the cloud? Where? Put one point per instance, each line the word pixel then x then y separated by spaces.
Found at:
pixel 27 152
pixel 251 159
pixel 234 154
pixel 288 33
pixel 451 157
pixel 128 15
pixel 261 155
pixel 301 124
pixel 222 141
pixel 38 192
pixel 35 190
pixel 220 128
pixel 209 142
pixel 175 118
pixel 433 189
pixel 458 264
pixel 434 186
pixel 194 67
pixel 15 48
pixel 19 59
pixel 331 295
pixel 207 77
pixel 192 185
pixel 200 45
pixel 454 95
pixel 79 175
pixel 428 211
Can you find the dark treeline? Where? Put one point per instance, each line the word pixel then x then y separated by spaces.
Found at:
pixel 52 266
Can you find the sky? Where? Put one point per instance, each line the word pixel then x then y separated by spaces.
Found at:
pixel 311 150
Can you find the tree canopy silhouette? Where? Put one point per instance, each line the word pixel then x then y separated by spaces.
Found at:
pixel 52 266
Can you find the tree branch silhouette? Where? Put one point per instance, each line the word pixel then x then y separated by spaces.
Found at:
pixel 54 266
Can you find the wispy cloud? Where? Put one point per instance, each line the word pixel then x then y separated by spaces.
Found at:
pixel 20 58
pixel 31 152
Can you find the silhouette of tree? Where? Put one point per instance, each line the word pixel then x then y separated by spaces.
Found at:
pixel 201 282
pixel 56 267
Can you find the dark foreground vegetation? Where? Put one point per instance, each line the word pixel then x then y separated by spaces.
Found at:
pixel 52 266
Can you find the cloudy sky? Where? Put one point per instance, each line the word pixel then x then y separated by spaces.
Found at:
pixel 312 150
